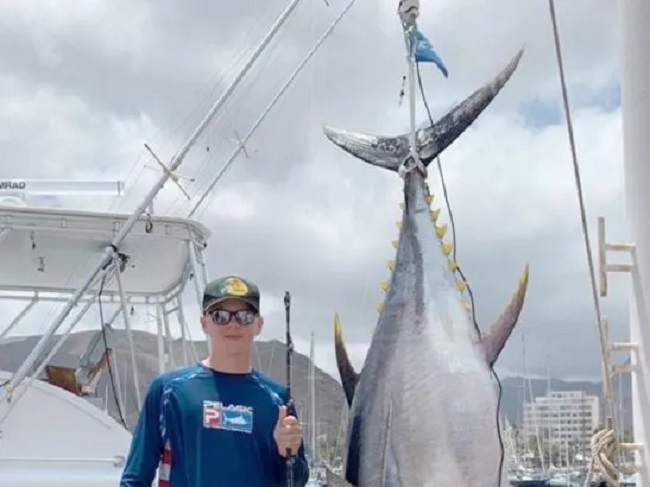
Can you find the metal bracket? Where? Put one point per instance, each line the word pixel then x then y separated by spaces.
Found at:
pixel 604 266
pixel 408 11
pixel 411 162
pixel 171 174
pixel 241 143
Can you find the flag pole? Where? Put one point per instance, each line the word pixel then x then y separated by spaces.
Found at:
pixel 418 49
pixel 409 11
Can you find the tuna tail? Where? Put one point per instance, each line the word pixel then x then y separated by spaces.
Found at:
pixel 389 152
pixel 495 339
pixel 349 377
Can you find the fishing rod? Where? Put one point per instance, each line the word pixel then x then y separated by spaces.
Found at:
pixel 287 310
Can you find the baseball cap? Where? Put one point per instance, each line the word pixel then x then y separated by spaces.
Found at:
pixel 231 287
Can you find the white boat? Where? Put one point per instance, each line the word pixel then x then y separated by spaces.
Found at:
pixel 52 432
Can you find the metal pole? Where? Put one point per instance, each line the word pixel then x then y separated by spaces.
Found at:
pixel 119 392
pixel 196 272
pixel 409 12
pixel 269 107
pixel 146 202
pixel 19 317
pixel 287 308
pixel 312 398
pixel 201 257
pixel 197 287
pixel 129 332
pixel 168 337
pixel 160 341
pixel 635 101
pixel 183 323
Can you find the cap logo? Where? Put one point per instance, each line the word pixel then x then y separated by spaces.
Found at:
pixel 234 286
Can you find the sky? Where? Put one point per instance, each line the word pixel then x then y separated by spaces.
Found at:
pixel 83 85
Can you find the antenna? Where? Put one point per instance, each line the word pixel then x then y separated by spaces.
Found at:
pixel 14 192
pixel 241 143
pixel 168 172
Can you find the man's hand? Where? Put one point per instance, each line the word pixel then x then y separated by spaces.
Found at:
pixel 287 433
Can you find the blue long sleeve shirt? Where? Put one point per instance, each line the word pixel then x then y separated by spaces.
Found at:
pixel 203 428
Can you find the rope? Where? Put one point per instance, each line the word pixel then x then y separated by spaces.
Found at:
pixel 597 447
pixel 604 445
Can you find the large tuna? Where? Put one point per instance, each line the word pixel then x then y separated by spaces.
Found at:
pixel 423 410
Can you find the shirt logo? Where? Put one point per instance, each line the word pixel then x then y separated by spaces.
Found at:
pixel 231 417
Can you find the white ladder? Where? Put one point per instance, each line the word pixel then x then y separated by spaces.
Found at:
pixel 631 349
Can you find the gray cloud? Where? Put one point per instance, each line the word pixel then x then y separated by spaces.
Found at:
pixel 82 89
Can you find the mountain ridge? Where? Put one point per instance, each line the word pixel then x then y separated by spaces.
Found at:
pixel 270 358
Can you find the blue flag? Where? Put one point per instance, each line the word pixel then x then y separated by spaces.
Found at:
pixel 424 52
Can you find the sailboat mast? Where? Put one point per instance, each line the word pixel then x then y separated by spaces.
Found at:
pixel 312 399
pixel 548 411
pixel 635 101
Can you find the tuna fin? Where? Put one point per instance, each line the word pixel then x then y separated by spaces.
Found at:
pixel 494 340
pixel 389 152
pixel 334 480
pixel 349 377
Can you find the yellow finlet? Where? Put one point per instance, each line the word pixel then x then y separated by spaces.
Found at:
pixel 380 307
pixel 429 198
pixel 447 247
pixel 391 265
pixel 453 265
pixel 401 205
pixel 441 230
pixel 394 244
pixel 337 326
pixel 467 305
pixel 385 285
pixel 523 279
pixel 399 224
pixel 462 285
pixel 435 214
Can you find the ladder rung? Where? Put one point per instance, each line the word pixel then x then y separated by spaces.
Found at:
pixel 623 369
pixel 619 247
pixel 631 446
pixel 624 346
pixel 628 469
pixel 619 267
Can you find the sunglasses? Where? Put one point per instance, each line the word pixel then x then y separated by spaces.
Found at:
pixel 223 316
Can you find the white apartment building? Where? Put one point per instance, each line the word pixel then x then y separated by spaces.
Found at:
pixel 570 417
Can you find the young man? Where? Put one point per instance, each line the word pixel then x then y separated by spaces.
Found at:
pixel 218 422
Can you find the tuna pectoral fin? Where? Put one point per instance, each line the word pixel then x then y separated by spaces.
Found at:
pixel 349 378
pixel 334 480
pixel 495 339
